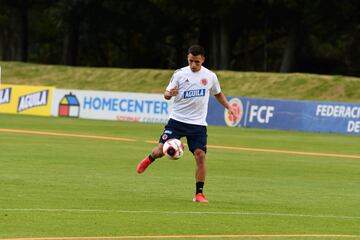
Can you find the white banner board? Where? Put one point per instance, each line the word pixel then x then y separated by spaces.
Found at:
pixel 122 106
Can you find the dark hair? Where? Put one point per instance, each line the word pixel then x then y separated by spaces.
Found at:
pixel 196 50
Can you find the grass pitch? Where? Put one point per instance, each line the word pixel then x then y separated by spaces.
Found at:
pixel 58 186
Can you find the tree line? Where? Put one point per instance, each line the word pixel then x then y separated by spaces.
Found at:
pixel 317 36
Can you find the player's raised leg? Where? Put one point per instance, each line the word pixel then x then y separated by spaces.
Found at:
pixel 157 152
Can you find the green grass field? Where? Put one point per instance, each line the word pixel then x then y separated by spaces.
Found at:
pixel 58 186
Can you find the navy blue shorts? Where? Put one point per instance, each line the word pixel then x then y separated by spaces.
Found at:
pixel 196 135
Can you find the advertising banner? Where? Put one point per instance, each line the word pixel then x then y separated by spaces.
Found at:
pixel 21 99
pixel 308 116
pixel 122 106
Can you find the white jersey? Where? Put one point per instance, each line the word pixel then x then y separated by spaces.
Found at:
pixel 195 88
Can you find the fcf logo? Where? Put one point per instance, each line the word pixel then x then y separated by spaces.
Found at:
pixel 238 108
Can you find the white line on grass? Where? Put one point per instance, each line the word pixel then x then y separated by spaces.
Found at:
pixel 175 212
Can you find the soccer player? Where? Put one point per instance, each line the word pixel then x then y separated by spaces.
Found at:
pixel 191 87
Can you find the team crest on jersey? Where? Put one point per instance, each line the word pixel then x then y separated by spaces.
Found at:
pixel 204 81
pixel 164 137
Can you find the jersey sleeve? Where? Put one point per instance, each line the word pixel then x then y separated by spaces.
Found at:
pixel 174 81
pixel 215 88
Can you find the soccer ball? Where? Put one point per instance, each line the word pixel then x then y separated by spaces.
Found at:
pixel 173 148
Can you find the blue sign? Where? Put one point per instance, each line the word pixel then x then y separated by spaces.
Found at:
pixel 308 116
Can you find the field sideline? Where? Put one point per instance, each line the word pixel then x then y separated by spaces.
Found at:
pixel 70 186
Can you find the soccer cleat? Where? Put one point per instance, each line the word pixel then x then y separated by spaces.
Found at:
pixel 141 167
pixel 200 198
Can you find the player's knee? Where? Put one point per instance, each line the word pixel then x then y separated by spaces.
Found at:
pixel 199 152
pixel 199 156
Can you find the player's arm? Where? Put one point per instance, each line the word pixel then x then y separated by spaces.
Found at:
pixel 168 94
pixel 223 101
pixel 173 88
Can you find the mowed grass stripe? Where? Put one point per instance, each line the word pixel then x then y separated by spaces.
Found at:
pixel 178 212
pixel 152 142
pixel 259 236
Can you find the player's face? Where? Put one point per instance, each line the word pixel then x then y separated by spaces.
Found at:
pixel 195 62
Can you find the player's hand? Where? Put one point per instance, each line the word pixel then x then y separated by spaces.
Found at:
pixel 233 113
pixel 170 93
pixel 174 92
